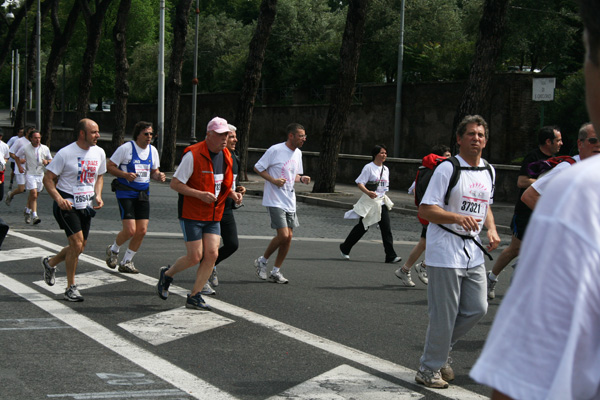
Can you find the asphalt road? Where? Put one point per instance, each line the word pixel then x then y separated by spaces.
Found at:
pixel 339 330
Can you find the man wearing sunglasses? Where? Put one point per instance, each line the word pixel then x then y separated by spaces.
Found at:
pixel 587 144
pixel 133 164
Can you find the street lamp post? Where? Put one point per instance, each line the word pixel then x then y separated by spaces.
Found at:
pixel 38 79
pixel 161 80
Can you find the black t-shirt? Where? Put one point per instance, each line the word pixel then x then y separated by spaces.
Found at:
pixel 535 155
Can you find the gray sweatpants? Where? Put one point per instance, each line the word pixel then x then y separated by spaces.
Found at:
pixel 457 300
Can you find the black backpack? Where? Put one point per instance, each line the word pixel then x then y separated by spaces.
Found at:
pixel 430 163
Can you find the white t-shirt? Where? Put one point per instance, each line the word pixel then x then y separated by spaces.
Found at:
pixel 545 340
pixel 34 156
pixel 472 195
pixel 280 162
pixel 186 168
pixel 372 173
pixel 123 155
pixel 77 170
pixel 14 149
pixel 10 142
pixel 4 154
pixel 540 184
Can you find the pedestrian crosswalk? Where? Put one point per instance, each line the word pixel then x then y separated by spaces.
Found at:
pixel 158 328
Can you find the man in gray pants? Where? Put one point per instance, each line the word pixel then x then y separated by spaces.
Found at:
pixel 457 288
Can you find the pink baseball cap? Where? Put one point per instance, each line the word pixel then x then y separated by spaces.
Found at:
pixel 218 125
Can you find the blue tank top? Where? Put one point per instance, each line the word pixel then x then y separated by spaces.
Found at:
pixel 142 169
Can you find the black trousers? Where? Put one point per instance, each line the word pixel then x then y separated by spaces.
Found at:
pixel 3 231
pixel 386 235
pixel 230 237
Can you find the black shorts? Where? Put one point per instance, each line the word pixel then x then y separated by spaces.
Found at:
pixel 424 231
pixel 72 221
pixel 134 208
pixel 519 224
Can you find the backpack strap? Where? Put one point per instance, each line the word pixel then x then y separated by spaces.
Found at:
pixel 456 174
pixel 467 237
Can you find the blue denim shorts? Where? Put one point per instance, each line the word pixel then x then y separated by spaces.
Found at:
pixel 193 230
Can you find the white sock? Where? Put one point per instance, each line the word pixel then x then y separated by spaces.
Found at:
pixel 27 210
pixel 115 248
pixel 128 255
pixel 34 214
pixel 492 276
pixel 275 270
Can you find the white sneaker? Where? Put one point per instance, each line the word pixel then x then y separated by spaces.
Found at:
pixel 421 270
pixel 213 279
pixel 491 287
pixel 261 268
pixel 207 290
pixel 277 277
pixel 404 277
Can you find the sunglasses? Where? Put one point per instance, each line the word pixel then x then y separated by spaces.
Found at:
pixel 592 140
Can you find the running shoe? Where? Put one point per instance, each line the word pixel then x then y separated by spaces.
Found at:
pixel 72 294
pixel 49 271
pixel 261 268
pixel 344 255
pixel 36 220
pixel 196 302
pixel 446 371
pixel 421 270
pixel 432 379
pixel 8 199
pixel 112 258
pixel 277 277
pixel 164 281
pixel 207 290
pixel 491 287
pixel 394 260
pixel 27 217
pixel 404 277
pixel 213 279
pixel 127 267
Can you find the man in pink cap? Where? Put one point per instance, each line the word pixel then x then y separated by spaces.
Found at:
pixel 203 180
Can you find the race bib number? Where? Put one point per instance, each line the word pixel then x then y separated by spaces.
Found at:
pixel 142 171
pixel 218 183
pixel 82 196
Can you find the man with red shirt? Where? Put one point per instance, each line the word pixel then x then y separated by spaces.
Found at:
pixel 203 180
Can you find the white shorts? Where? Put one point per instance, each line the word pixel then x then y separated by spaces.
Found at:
pixel 20 178
pixel 34 182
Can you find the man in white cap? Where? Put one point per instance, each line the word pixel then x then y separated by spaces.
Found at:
pixel 203 180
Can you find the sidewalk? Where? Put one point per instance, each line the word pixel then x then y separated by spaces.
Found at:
pixel 346 195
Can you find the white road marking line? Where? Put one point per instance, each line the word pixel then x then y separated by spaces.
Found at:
pixel 85 280
pixel 22 324
pixel 127 394
pixel 20 254
pixel 346 382
pixel 160 367
pixel 246 237
pixel 349 353
pixel 173 324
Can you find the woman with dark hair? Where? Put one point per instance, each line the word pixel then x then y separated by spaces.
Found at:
pixel 373 207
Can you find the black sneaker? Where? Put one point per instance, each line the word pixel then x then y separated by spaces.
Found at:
pixel 72 294
pixel 164 281
pixel 196 302
pixel 48 271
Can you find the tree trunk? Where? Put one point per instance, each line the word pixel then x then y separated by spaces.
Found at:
pixel 59 46
pixel 341 97
pixel 93 23
pixel 121 82
pixel 173 87
pixel 6 46
pixel 256 56
pixel 488 47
